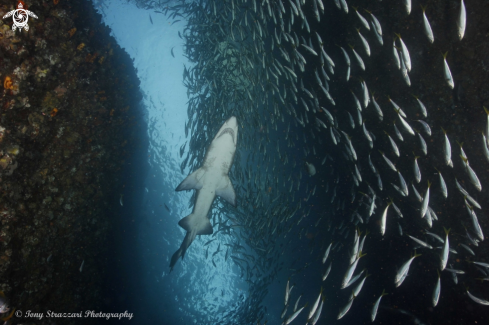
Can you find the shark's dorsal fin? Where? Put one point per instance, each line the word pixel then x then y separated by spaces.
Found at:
pixel 192 182
pixel 226 191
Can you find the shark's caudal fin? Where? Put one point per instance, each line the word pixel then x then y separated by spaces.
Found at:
pixel 193 229
pixel 189 238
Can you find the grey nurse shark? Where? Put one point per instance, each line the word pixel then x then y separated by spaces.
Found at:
pixel 209 180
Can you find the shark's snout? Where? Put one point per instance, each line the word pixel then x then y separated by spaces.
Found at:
pixel 230 127
pixel 232 122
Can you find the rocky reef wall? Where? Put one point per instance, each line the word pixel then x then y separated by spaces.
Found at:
pixel 70 117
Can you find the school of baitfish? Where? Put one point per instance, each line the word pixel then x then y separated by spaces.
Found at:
pixel 388 173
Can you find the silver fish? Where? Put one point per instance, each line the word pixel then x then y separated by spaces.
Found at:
pixel 462 20
pixel 472 175
pixel 447 150
pixel 416 193
pixel 424 147
pixel 376 23
pixel 398 134
pixel 396 56
pixel 373 313
pixel 326 273
pixel 377 108
pixel 345 309
pixel 393 145
pixel 426 127
pixel 364 42
pixel 293 316
pixel 405 53
pixel 435 236
pixel 387 160
pixel 436 293
pixel 427 26
pixel 407 5
pixel 362 19
pixel 485 149
pixel 397 108
pixel 377 35
pixel 445 251
pixel 426 200
pixel 315 305
pixel 448 74
pixel 405 124
pixel 422 243
pixel 347 57
pixel 467 195
pixel 478 300
pixel 475 222
pixel 383 220
pixel 403 270
pixel 468 249
pixel 422 107
pixel 359 58
pixel 344 5
pixel 417 172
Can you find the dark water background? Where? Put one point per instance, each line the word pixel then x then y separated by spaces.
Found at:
pixel 147 234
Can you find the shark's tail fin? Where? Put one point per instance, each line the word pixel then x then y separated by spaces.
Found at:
pixel 189 238
pixel 193 229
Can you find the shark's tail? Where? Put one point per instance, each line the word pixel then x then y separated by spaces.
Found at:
pixel 189 238
pixel 192 230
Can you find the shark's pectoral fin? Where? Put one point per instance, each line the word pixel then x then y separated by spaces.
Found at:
pixel 192 182
pixel 226 190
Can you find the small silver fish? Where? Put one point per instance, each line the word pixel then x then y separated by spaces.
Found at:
pixel 364 42
pixel 422 107
pixel 427 26
pixel 359 58
pixel 424 147
pixel 426 127
pixel 445 251
pixel 417 172
pixel 362 19
pixel 403 270
pixel 447 150
pixel 405 53
pixel 373 314
pixel 383 220
pixel 393 145
pixel 396 55
pixel 478 300
pixel 422 243
pixel 462 20
pixel 405 124
pixel 436 293
pixel 472 175
pixel 448 74
pixel 426 200
pixel 407 5
pixel 377 108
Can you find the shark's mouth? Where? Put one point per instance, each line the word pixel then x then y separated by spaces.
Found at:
pixel 229 131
